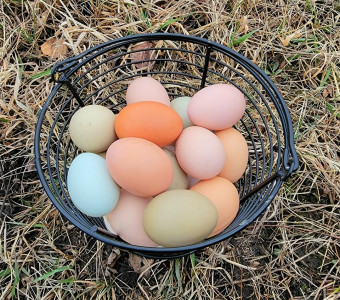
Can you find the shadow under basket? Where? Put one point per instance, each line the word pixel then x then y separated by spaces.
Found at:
pixel 183 64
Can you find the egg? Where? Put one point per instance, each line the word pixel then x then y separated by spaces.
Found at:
pixel 146 89
pixel 217 106
pixel 170 148
pixel 108 226
pixel 192 180
pixel 180 105
pixel 149 120
pixel 102 154
pixel 179 217
pixel 224 195
pixel 236 153
pixel 139 166
pixel 91 188
pixel 126 219
pixel 200 153
pixel 92 128
pixel 180 179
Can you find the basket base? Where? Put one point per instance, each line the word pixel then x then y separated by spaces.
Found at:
pixel 165 255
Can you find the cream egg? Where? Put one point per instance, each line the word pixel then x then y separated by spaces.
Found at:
pixel 92 128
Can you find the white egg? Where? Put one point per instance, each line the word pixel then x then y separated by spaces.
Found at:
pixel 91 188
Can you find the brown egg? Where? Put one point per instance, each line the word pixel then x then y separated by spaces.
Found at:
pixel 236 154
pixel 224 195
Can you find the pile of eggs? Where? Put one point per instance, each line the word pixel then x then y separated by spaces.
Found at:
pixel 161 173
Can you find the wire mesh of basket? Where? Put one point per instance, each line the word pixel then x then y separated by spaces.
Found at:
pixel 183 64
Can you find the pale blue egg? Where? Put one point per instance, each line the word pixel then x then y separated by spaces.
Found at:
pixel 91 188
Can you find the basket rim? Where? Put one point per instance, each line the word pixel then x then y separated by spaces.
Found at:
pixel 290 152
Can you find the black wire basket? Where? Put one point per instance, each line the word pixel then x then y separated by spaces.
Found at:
pixel 183 64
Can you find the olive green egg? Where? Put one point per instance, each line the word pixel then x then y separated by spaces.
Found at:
pixel 179 217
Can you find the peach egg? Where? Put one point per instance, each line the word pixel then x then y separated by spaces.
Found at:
pixel 236 153
pixel 224 195
pixel 139 166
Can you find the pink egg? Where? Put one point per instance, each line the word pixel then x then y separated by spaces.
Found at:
pixel 146 89
pixel 217 107
pixel 200 153
pixel 126 219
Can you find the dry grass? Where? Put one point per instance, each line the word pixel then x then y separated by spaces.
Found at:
pixel 291 252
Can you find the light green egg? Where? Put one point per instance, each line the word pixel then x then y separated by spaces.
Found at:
pixel 180 105
pixel 179 217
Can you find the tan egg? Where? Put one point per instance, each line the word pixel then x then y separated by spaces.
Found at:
pixel 92 128
pixel 236 154
pixel 224 195
pixel 126 219
pixel 180 179
pixel 179 217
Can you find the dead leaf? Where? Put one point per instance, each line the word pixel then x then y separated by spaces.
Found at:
pixel 328 91
pixel 111 260
pixel 55 48
pixel 42 18
pixel 139 264
pixel 142 55
pixel 243 24
pixel 285 41
pixel 114 255
pixel 254 264
pixel 282 64
pixel 26 280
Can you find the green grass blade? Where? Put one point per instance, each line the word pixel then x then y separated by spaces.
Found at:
pixel 41 74
pixel 16 279
pixel 167 23
pixel 26 224
pixel 4 273
pixel 193 260
pixel 242 38
pixel 178 274
pixel 332 109
pixel 324 80
pixel 50 274
pixel 68 280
